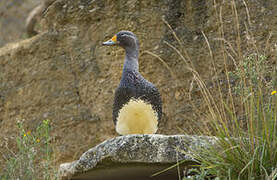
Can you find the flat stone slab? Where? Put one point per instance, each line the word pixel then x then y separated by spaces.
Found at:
pixel 135 156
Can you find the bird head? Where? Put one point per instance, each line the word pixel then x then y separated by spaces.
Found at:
pixel 125 39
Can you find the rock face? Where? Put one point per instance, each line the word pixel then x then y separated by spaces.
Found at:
pixel 64 74
pixel 13 14
pixel 141 156
pixel 35 15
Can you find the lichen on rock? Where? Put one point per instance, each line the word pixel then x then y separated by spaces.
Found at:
pixel 131 149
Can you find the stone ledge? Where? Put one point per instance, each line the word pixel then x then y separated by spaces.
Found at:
pixel 139 155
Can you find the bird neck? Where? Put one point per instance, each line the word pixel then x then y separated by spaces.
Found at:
pixel 131 60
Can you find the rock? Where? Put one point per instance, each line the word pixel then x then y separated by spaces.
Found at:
pixel 35 16
pixel 139 155
pixel 13 14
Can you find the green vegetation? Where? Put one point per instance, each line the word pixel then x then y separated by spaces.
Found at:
pixel 253 70
pixel 241 113
pixel 247 132
pixel 33 157
pixel 247 146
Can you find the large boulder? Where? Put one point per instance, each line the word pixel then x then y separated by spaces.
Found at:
pixel 136 157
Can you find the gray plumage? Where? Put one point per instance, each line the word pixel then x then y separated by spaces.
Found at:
pixel 132 84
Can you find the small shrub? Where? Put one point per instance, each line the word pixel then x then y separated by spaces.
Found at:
pixel 251 72
pixel 33 157
pixel 244 154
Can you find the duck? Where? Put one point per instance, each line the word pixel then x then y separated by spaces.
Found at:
pixel 137 107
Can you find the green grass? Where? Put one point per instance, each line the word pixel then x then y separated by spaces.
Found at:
pixel 244 152
pixel 33 157
pixel 242 114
